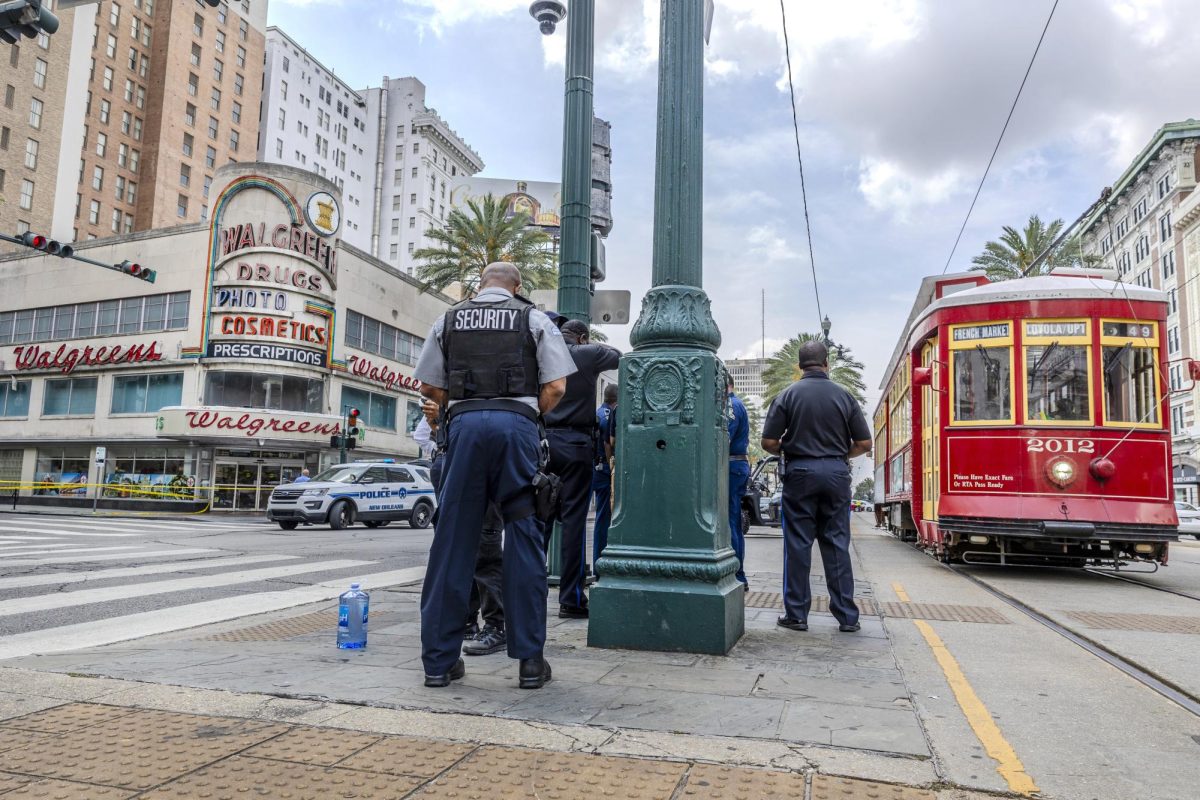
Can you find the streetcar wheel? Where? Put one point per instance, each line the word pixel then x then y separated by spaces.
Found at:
pixel 341 515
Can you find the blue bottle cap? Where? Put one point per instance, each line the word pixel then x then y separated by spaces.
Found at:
pixel 354 586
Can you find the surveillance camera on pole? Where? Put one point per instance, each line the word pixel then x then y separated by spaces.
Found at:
pixel 548 14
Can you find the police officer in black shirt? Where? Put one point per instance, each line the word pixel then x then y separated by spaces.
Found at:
pixel 571 431
pixel 817 427
pixel 496 361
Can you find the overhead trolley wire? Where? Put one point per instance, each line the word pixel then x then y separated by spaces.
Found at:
pixel 787 49
pixel 1003 130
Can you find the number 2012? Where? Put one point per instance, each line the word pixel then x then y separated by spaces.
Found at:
pixel 1060 446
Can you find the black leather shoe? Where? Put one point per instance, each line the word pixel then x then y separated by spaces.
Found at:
pixel 568 612
pixel 791 624
pixel 855 628
pixel 438 681
pixel 490 640
pixel 535 673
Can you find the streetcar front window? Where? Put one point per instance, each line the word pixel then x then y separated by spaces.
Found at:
pixel 1057 383
pixel 1131 384
pixel 983 384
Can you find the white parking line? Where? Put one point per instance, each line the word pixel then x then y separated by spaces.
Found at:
pixel 58 578
pixel 50 602
pixel 149 623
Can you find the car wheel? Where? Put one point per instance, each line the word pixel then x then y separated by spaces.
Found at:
pixel 288 526
pixel 341 515
pixel 371 524
pixel 420 516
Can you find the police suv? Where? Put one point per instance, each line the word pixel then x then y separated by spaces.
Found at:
pixel 373 492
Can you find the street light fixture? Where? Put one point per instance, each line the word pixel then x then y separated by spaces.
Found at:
pixel 548 13
pixel 825 326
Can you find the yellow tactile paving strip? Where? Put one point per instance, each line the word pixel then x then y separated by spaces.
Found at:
pixel 85 751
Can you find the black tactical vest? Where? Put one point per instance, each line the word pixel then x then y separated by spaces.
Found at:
pixel 490 351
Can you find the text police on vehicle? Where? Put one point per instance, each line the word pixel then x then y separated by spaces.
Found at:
pixel 373 492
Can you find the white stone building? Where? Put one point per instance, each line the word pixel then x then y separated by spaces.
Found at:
pixel 1137 232
pixel 747 376
pixel 313 120
pixel 225 376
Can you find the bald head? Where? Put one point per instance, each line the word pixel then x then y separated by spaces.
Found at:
pixel 812 354
pixel 501 274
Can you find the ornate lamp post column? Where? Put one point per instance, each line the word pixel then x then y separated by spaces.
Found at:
pixel 667 576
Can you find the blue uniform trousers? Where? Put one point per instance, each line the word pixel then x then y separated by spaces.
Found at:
pixel 491 457
pixel 571 459
pixel 739 477
pixel 816 505
pixel 602 492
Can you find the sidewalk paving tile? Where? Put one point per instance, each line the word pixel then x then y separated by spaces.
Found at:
pixel 687 679
pixel 566 702
pixel 12 738
pixel 247 777
pixel 9 782
pixel 834 689
pixel 893 730
pixel 408 755
pixel 50 789
pixel 826 787
pixel 316 746
pixel 711 782
pixel 497 773
pixel 67 718
pixel 703 713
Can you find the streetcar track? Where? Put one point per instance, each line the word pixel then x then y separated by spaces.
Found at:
pixel 1167 689
pixel 1136 582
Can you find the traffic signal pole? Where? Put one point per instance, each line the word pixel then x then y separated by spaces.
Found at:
pixel 50 247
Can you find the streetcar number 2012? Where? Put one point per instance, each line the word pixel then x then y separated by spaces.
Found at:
pixel 1060 446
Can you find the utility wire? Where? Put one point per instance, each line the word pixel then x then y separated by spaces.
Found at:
pixel 803 191
pixel 996 149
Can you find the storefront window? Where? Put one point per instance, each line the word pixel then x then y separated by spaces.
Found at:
pixel 377 410
pixel 62 470
pixel 72 396
pixel 154 312
pixel 140 394
pixel 255 390
pixel 382 339
pixel 150 473
pixel 14 399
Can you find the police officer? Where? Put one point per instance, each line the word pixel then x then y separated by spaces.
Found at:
pixel 602 475
pixel 739 476
pixel 571 431
pixel 817 427
pixel 496 361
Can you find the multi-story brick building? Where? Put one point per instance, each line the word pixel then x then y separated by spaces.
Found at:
pixel 1136 231
pixel 34 85
pixel 171 91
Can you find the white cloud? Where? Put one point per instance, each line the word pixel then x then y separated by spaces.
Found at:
pixel 755 349
pixel 889 186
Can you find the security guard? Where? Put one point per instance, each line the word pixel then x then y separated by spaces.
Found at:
pixel 817 427
pixel 602 475
pixel 497 362
pixel 739 476
pixel 571 431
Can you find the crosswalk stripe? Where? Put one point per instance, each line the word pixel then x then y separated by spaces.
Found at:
pixel 58 578
pixel 30 546
pixel 165 620
pixel 71 526
pixel 41 551
pixel 20 538
pixel 56 534
pixel 25 605
pixel 185 551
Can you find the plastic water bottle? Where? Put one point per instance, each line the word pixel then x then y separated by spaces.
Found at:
pixel 352 618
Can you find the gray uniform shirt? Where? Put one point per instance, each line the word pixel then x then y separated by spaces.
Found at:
pixel 553 356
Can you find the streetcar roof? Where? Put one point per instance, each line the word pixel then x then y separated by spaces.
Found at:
pixel 1082 285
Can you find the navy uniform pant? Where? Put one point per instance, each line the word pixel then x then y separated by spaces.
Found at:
pixel 486 590
pixel 491 457
pixel 739 477
pixel 602 492
pixel 816 506
pixel 571 459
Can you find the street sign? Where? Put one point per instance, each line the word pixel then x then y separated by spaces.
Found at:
pixel 608 306
pixel 709 7
pixel 101 453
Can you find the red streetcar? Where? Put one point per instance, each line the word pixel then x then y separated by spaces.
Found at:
pixel 1025 422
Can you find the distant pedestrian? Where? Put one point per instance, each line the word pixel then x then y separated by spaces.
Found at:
pixel 602 475
pixel 817 427
pixel 739 475
pixel 304 477
pixel 879 515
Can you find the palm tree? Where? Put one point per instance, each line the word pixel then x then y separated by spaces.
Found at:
pixel 480 235
pixel 1016 250
pixel 844 369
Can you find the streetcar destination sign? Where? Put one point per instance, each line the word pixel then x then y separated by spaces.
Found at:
pixel 973 332
pixel 1056 329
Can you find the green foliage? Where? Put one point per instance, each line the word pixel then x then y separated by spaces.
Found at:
pixel 480 235
pixel 782 372
pixel 1009 257
pixel 865 490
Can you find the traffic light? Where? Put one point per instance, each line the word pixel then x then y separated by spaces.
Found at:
pixel 352 429
pixel 137 271
pixel 46 244
pixel 25 18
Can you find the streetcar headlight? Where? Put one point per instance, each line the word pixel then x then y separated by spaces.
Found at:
pixel 1061 472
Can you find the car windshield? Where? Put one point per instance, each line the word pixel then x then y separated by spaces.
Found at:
pixel 340 474
pixel 1182 506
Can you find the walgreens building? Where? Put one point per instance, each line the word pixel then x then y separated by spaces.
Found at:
pixel 224 377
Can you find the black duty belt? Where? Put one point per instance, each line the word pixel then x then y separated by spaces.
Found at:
pixel 577 428
pixel 493 404
pixel 739 457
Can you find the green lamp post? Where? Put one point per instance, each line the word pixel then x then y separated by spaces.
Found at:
pixel 667 576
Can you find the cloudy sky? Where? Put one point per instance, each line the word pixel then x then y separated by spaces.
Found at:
pixel 900 104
